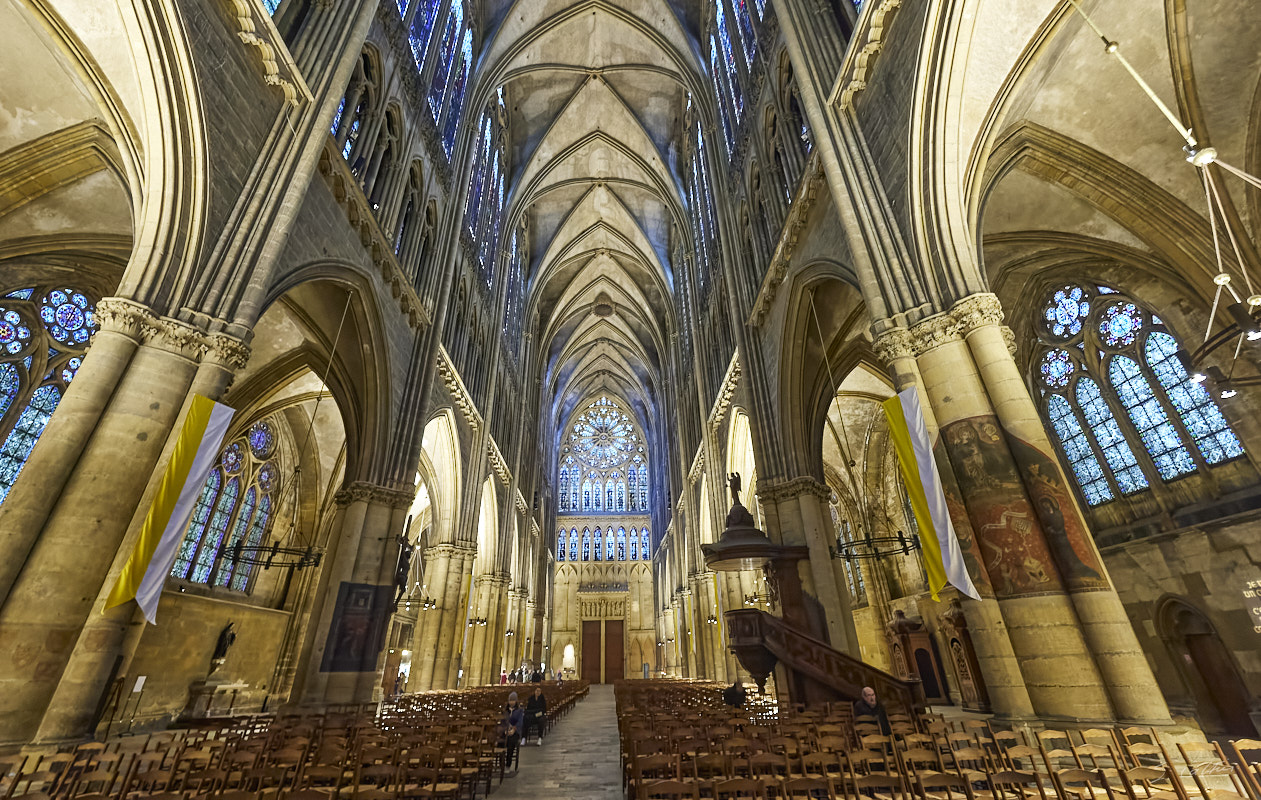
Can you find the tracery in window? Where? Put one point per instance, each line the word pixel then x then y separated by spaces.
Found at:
pixel 422 31
pixel 586 544
pixel 448 49
pixel 573 544
pixel 597 538
pixel 643 545
pixel 233 509
pixel 561 544
pixel 853 573
pixel 1110 378
pixel 42 345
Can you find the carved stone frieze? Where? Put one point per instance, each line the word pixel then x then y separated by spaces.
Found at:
pixel 497 463
pixel 450 550
pixel 698 464
pixel 933 332
pixel 726 392
pixel 255 29
pixel 854 79
pixel 455 386
pixel 363 492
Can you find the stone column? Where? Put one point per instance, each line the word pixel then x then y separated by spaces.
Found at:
pixel 797 512
pixel 461 633
pixel 682 634
pixel 349 634
pixel 429 623
pixel 448 626
pixel 1135 695
pixel 109 639
pixel 999 668
pixel 73 555
pixel 1058 668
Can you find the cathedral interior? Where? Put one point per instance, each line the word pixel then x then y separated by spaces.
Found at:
pixel 501 293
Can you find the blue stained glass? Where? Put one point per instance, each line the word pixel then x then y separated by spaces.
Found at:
pixel 21 294
pixel 586 545
pixel 1057 367
pixel 266 476
pixel 608 496
pixel 560 545
pixel 1116 450
pixel 402 7
pixel 201 513
pixel 68 316
pixel 723 98
pixel 621 544
pixel 744 26
pixel 760 5
pixel 604 436
pixel 573 544
pixel 21 440
pixel 598 539
pixel 643 547
pixel 1120 324
pixel 729 59
pixel 608 545
pixel 446 59
pixel 69 370
pixel 15 333
pixel 337 118
pixel 355 124
pixel 1156 320
pixel 634 548
pixel 232 458
pixel 241 577
pixel 223 575
pixel 1086 468
pixel 1158 434
pixel 10 382
pixel 630 480
pixel 422 30
pixel 215 532
pixel 643 488
pixel 1201 416
pixel 262 440
pixel 1067 311
pixel 1105 290
pixel 456 104
pixel 271 6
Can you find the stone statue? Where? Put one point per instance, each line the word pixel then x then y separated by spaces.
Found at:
pixel 401 574
pixel 734 482
pixel 227 637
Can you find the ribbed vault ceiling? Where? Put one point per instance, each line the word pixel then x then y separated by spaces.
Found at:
pixel 596 93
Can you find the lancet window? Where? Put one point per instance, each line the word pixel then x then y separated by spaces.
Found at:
pixel 1121 405
pixel 234 507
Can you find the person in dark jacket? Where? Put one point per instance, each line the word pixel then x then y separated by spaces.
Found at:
pixel 869 706
pixel 514 718
pixel 535 713
pixel 734 695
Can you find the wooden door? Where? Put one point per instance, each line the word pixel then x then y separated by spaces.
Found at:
pixel 591 650
pixel 614 651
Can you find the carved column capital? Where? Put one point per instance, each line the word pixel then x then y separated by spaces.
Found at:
pixel 977 311
pixel 791 489
pixel 362 492
pixel 1009 337
pixel 933 332
pixel 228 350
pixel 120 315
pixel 894 344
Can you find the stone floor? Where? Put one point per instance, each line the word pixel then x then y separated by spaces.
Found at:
pixel 580 758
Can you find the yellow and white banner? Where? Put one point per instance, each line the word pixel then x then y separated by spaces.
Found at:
pixel 196 451
pixel 943 560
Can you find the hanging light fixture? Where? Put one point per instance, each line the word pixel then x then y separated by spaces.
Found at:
pixel 1241 312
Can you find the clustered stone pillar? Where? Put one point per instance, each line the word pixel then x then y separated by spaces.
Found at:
pixel 1001 671
pixel 358 594
pixel 73 541
pixel 1036 558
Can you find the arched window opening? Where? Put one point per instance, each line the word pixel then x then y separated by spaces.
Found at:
pixel 598 538
pixel 610 545
pixel 621 544
pixel 561 544
pixel 44 336
pixel 234 507
pixel 455 103
pixel 643 545
pixel 853 573
pixel 447 51
pixel 586 544
pixel 573 544
pixel 421 33
pixel 1112 386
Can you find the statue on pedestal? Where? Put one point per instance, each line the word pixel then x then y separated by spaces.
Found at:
pixel 227 637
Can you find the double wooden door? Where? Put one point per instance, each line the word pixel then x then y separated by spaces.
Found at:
pixel 603 650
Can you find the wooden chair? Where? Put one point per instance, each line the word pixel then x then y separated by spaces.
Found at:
pixel 1150 783
pixel 1008 784
pixel 1082 784
pixel 809 788
pixel 1249 768
pixel 1206 759
pixel 880 787
pixel 735 788
pixel 667 790
pixel 933 785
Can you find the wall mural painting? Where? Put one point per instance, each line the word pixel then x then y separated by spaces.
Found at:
pixel 1012 545
pixel 963 526
pixel 1066 532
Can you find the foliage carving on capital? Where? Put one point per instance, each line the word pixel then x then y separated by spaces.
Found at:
pixel 124 316
pixel 177 337
pixel 933 332
pixel 224 349
pixel 1009 338
pixel 894 344
pixel 977 311
pixel 363 492
pixel 777 491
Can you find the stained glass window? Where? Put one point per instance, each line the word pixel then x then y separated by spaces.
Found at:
pixel 643 488
pixel 621 544
pixel 1200 415
pixel 853 573
pixel 422 31
pixel 573 544
pixel 1111 377
pixel 1159 436
pixel 586 544
pixel 604 435
pixel 724 109
pixel 643 545
pixel 1107 432
pixel 598 539
pixel 233 511
pixel 564 490
pixel 560 545
pixel 271 6
pixel 455 104
pixel 744 25
pixel 42 345
pixel 729 62
pixel 609 545
pixel 621 495
pixel 1085 466
pixel 1067 310
pixel 634 546
pixel 446 59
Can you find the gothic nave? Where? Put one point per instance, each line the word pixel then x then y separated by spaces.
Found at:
pixel 499 294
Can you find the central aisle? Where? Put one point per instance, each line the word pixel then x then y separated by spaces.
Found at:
pixel 579 760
